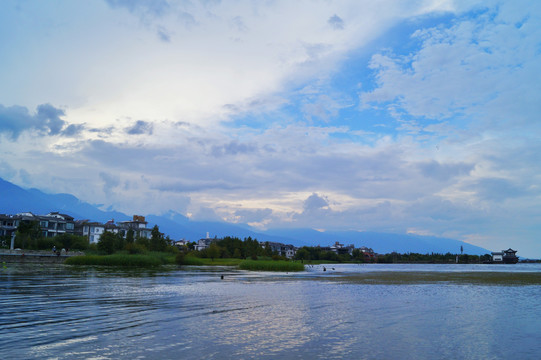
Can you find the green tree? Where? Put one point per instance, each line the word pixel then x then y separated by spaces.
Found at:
pixel 302 254
pixel 119 242
pixel 252 247
pixel 71 241
pixel 213 251
pixel 157 241
pixel 179 258
pixel 28 233
pixel 143 242
pixel 130 236
pixel 268 249
pixel 106 244
pixel 237 254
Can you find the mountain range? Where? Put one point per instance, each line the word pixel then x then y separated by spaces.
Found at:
pixel 14 199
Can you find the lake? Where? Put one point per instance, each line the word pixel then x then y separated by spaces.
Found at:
pixel 371 311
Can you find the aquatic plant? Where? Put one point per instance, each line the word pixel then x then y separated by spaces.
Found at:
pixel 190 260
pixel 271 265
pixel 116 260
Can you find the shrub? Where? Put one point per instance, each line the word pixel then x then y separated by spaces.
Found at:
pixel 172 249
pixel 135 248
pixel 179 259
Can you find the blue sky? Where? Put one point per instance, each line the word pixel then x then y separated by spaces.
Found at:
pixel 400 116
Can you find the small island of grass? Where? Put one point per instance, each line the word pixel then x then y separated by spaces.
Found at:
pixel 271 265
pixel 157 259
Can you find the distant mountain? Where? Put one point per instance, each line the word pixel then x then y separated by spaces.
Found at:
pixel 380 242
pixel 15 199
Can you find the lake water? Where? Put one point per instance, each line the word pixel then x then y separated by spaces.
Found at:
pixel 60 312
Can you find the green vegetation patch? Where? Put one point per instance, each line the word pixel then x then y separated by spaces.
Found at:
pixel 116 260
pixel 259 265
pixel 221 262
pixel 474 278
pixel 190 260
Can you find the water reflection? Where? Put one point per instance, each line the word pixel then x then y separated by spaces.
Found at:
pixel 70 313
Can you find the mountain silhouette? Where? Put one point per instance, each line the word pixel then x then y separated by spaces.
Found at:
pixel 14 199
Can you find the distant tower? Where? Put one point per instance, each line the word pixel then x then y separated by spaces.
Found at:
pixel 208 237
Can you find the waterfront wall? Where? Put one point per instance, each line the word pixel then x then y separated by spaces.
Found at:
pixel 35 256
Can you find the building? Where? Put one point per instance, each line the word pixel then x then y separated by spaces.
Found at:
pixel 368 253
pixel 281 249
pixel 56 223
pixel 505 257
pixel 139 226
pixel 50 225
pixel 203 244
pixel 8 224
pixel 181 243
pixel 91 230
pixel 340 249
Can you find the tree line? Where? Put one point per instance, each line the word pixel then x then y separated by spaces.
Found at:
pixel 110 242
pixel 233 247
pixel 309 253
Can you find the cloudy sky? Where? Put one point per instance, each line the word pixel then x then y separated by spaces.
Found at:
pixel 418 116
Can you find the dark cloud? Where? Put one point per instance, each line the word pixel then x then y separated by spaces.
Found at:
pixel 144 7
pixel 238 23
pixel 253 215
pixel 25 176
pixel 7 171
pixel 109 182
pixel 50 118
pixel 163 35
pixel 16 119
pixel 444 172
pixel 140 127
pixel 73 130
pixel 194 185
pixel 233 148
pixel 206 214
pixel 315 202
pixel 497 189
pixel 336 22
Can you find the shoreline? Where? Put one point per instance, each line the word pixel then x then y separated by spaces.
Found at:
pixel 35 256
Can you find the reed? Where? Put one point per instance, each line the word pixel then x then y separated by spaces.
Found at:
pixel 262 265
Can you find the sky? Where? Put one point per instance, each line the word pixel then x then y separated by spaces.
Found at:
pixel 418 117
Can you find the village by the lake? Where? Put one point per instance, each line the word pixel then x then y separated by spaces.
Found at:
pixel 30 237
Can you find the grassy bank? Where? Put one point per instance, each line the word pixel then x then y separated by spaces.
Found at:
pixel 262 265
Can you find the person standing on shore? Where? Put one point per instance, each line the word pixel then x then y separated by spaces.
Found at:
pixel 54 249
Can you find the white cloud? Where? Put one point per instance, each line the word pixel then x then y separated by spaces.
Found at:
pixel 108 63
pixel 473 70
